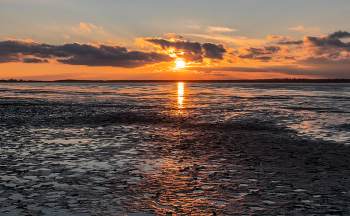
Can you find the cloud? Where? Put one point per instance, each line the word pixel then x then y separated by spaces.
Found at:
pixel 83 26
pixel 193 51
pixel 35 60
pixel 256 52
pixel 269 37
pixel 299 28
pixel 322 56
pixel 6 59
pixel 214 51
pixel 115 56
pixel 291 42
pixel 236 40
pixel 327 44
pixel 186 46
pixel 173 35
pixel 220 29
pixel 92 25
pixel 78 54
pixel 66 36
pixel 340 34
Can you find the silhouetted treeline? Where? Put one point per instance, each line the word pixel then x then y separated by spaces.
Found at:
pixel 20 80
pixel 285 80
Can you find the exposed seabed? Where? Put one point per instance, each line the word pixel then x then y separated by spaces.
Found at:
pixel 134 162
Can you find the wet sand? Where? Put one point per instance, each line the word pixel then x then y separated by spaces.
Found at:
pixel 69 159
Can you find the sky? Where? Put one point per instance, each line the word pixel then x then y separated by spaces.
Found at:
pixel 174 40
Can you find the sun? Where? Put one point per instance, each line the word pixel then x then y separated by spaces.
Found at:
pixel 180 63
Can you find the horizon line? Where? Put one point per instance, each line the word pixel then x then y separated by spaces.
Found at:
pixel 274 80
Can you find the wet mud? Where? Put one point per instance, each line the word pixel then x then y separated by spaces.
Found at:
pixel 100 159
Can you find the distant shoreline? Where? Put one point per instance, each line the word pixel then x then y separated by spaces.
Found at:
pixel 186 81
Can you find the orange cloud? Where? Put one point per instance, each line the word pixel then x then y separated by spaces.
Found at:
pixel 236 40
pixel 173 35
pixel 93 26
pixel 299 28
pixel 83 26
pixel 66 36
pixel 220 29
pixel 269 37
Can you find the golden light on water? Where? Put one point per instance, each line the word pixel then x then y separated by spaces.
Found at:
pixel 180 93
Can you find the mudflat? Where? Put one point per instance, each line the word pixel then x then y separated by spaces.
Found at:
pixel 138 163
pixel 151 154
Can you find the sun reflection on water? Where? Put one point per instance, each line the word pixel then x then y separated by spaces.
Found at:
pixel 180 93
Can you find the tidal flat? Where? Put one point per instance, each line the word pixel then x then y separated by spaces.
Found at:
pixel 174 149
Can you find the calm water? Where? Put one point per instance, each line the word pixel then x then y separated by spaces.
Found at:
pixel 319 111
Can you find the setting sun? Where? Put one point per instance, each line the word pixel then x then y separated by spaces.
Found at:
pixel 180 63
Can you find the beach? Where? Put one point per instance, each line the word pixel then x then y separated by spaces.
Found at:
pixel 174 149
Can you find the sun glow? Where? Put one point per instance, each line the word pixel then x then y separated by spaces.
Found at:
pixel 180 63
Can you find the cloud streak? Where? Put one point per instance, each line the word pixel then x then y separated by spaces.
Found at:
pixel 301 28
pixel 220 29
pixel 35 60
pixel 78 54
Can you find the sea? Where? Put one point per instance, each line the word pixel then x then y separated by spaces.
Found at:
pixel 174 148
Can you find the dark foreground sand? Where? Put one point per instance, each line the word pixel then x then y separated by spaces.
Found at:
pixel 69 160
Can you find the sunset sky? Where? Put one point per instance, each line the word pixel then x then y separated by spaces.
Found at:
pixel 192 39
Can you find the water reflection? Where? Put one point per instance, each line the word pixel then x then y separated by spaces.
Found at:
pixel 180 93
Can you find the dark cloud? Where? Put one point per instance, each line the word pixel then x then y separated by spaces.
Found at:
pixel 214 51
pixel 264 58
pixel 193 51
pixel 267 50
pixel 16 47
pixel 340 34
pixel 289 57
pixel 272 49
pixel 248 56
pixel 255 51
pixel 185 46
pixel 79 54
pixel 116 56
pixel 130 59
pixel 34 60
pixel 9 58
pixel 260 53
pixel 330 46
pixel 328 41
pixel 298 42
